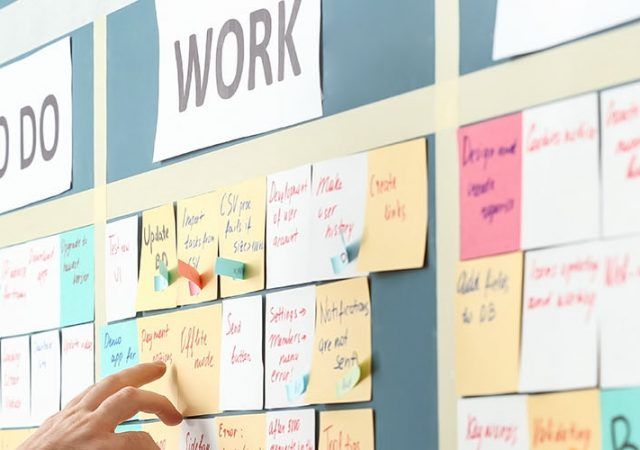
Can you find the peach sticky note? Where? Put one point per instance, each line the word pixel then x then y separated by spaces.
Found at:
pixel 346 429
pixel 395 231
pixel 198 248
pixel 241 213
pixel 341 364
pixel 565 421
pixel 198 359
pixel 247 432
pixel 157 250
pixel 487 324
pixel 165 437
pixel 12 439
pixel 490 164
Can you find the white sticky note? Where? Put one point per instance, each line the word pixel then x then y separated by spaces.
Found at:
pixel 77 364
pixel 16 382
pixel 234 69
pixel 496 423
pixel 560 172
pixel 36 138
pixel 291 429
pixel 241 369
pixel 339 195
pixel 45 375
pixel 559 318
pixel 289 335
pixel 526 26
pixel 289 227
pixel 198 434
pixel 121 268
pixel 620 121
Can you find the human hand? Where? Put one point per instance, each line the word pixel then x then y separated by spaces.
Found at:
pixel 90 419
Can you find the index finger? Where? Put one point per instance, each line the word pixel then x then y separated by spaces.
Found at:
pixel 135 376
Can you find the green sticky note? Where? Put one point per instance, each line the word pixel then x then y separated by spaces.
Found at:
pixel 230 268
pixel 161 278
pixel 620 415
pixel 348 382
pixel 77 278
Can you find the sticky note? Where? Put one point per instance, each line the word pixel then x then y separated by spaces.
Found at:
pixel 247 432
pixel 77 276
pixel 198 248
pixel 197 434
pixel 289 335
pixel 291 429
pixel 230 268
pixel 12 439
pixel 488 303
pixel 498 423
pixel 16 381
pixel 121 268
pixel 45 375
pixel 620 416
pixel 289 227
pixel 191 275
pixel 490 166
pixel 339 189
pixel 241 229
pixel 77 362
pixel 560 172
pixel 241 371
pixel 118 347
pixel 128 427
pixel 565 420
pixel 198 360
pixel 559 318
pixel 620 119
pixel 348 429
pixel 158 260
pixel 395 232
pixel 342 341
pixel 165 437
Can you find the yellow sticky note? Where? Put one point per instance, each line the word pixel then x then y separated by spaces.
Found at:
pixel 565 421
pixel 241 220
pixel 12 439
pixel 342 344
pixel 167 438
pixel 158 340
pixel 395 232
pixel 246 432
pixel 198 246
pixel 487 324
pixel 197 359
pixel 158 247
pixel 348 429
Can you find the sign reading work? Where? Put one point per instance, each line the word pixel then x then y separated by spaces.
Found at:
pixel 36 126
pixel 230 69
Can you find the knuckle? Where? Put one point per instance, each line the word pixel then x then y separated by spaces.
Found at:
pixel 128 393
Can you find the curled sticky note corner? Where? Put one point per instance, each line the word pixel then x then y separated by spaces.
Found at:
pixel 192 275
pixel 161 278
pixel 297 387
pixel 348 253
pixel 230 268
pixel 349 381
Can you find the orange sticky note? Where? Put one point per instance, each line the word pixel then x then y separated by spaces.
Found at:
pixel 342 343
pixel 487 324
pixel 395 231
pixel 348 429
pixel 158 245
pixel 247 432
pixel 165 437
pixel 565 421
pixel 189 273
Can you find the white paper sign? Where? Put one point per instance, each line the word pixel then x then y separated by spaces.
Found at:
pixel 45 375
pixel 289 332
pixel 620 109
pixel 36 126
pixel 560 172
pixel 241 369
pixel 77 361
pixel 30 286
pixel 525 26
pixel 289 227
pixel 294 430
pixel 16 389
pixel 197 434
pixel 121 268
pixel 233 69
pixel 339 195
pixel 496 423
pixel 559 318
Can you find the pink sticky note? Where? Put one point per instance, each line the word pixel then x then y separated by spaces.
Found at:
pixel 490 160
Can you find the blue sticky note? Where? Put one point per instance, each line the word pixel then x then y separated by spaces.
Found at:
pixel 297 387
pixel 230 268
pixel 77 276
pixel 127 427
pixel 118 347
pixel 161 278
pixel 620 415
pixel 348 382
